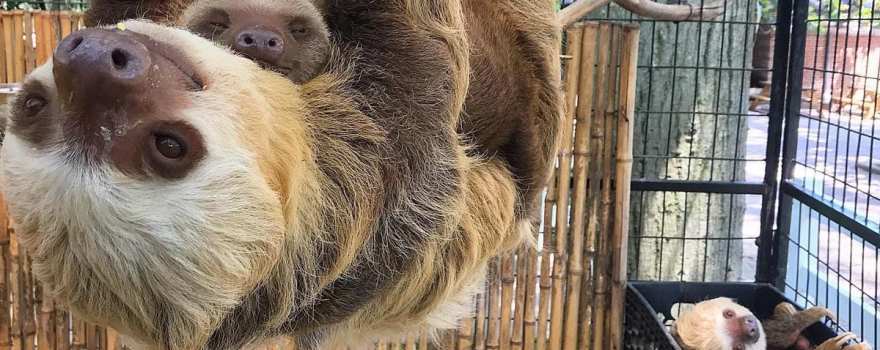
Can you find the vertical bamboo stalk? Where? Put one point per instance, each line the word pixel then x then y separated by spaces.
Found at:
pixel 47 34
pixel 608 166
pixel 18 45
pixel 17 300
pixel 603 80
pixel 546 282
pixel 623 176
pixel 63 330
pixel 410 343
pixel 4 73
pixel 42 56
pixel 423 342
pixel 9 46
pixel 581 165
pixel 530 288
pixel 506 300
pixel 494 308
pixel 522 257
pixel 46 329
pixel 466 334
pixel 5 268
pixel 30 53
pixel 66 24
pixel 574 35
pixel 480 327
pixel 112 339
pixel 55 30
pixel 29 325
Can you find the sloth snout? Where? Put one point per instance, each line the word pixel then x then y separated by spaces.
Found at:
pixel 751 328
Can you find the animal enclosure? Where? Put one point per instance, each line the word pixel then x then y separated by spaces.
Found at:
pixel 752 159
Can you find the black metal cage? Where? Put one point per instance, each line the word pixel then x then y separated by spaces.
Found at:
pixel 754 152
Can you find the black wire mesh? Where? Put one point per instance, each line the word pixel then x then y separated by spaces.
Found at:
pixel 830 266
pixel 834 231
pixel 695 130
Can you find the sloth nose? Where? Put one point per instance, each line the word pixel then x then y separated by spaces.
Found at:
pixel 260 44
pixel 94 56
pixel 751 327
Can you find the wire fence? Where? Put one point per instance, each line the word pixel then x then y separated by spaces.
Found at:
pixel 829 226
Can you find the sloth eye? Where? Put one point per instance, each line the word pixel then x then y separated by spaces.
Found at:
pixel 298 29
pixel 170 147
pixel 34 104
pixel 728 314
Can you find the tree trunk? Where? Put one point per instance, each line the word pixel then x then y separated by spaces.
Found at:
pixel 683 116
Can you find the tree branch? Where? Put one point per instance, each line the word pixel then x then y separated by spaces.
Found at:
pixel 644 8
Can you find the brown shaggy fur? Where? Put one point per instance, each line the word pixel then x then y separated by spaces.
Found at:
pixel 386 223
pixel 513 105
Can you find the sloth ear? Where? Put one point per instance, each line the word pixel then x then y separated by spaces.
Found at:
pixel 103 12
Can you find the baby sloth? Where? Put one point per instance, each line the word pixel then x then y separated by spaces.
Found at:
pixel 719 324
pixel 288 36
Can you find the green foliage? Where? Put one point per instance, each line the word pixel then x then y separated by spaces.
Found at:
pixel 858 13
pixel 767 10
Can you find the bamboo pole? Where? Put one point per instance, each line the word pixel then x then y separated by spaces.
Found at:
pixel 506 301
pixel 562 196
pixel 546 282
pixel 466 333
pixel 530 288
pixel 520 301
pixel 17 300
pixel 581 165
pixel 5 268
pixel 47 34
pixel 30 54
pixel 410 343
pixel 492 340
pixel 54 31
pixel 42 56
pixel 603 78
pixel 480 326
pixel 623 176
pixel 608 163
pixel 423 342
pixel 3 70
pixel 9 46
pixel 18 45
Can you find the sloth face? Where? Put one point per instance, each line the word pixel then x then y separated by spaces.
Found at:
pixel 137 172
pixel 720 324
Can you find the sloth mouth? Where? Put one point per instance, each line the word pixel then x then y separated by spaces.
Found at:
pixel 283 70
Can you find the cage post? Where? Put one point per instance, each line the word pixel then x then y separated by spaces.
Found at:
pixel 778 91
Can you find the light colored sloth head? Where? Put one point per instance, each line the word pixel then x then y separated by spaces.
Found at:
pixel 137 171
pixel 719 324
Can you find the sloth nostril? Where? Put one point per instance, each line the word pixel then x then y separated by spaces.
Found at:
pixel 120 59
pixel 75 43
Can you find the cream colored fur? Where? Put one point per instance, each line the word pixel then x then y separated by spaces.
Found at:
pixel 702 328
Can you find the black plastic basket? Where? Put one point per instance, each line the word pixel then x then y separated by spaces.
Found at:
pixel 650 304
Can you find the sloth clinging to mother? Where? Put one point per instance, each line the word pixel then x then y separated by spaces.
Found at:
pixel 191 199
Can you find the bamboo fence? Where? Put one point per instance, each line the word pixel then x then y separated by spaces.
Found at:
pixel 567 294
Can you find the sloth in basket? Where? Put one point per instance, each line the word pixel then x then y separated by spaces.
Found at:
pixel 722 324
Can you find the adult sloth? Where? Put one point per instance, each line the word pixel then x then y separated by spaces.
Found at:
pixel 185 196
